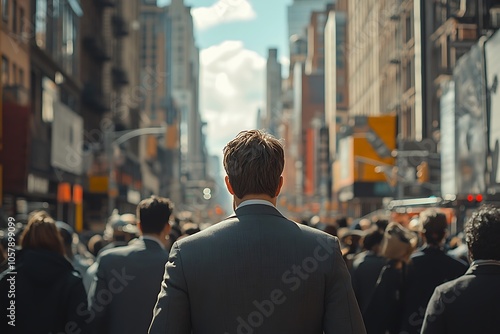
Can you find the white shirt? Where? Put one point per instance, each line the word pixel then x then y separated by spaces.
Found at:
pixel 254 201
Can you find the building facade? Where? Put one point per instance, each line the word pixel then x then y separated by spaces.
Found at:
pixel 273 114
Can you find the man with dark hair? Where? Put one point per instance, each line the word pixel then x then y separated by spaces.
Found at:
pixel 256 271
pixel 128 278
pixel 470 304
pixel 428 268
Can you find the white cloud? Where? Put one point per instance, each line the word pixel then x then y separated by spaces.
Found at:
pixel 285 61
pixel 222 11
pixel 232 88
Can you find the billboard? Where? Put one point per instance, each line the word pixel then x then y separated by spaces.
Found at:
pixel 67 139
pixel 470 123
pixel 362 154
pixel 492 50
pixel 448 162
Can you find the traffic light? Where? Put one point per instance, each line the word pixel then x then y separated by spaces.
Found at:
pixel 474 199
pixel 423 172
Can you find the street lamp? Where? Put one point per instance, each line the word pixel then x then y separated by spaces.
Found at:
pixel 116 138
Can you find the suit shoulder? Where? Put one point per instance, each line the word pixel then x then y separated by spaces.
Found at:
pixel 453 285
pixel 315 233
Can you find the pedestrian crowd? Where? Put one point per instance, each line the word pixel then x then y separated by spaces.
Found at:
pixel 254 272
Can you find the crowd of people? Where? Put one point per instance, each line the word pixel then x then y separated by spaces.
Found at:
pixel 254 272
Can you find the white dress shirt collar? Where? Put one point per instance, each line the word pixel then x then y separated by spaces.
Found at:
pixel 254 201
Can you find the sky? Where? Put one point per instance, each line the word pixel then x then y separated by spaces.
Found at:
pixel 233 37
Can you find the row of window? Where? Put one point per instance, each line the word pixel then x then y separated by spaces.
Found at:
pixel 15 14
pixel 17 78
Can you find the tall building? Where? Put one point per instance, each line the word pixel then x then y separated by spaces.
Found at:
pixel 125 108
pixel 185 73
pixel 336 83
pixel 299 17
pixel 160 155
pixel 54 141
pixel 15 102
pixel 362 49
pixel 273 93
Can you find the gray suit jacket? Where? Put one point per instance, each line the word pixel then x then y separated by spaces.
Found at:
pixel 257 272
pixel 127 283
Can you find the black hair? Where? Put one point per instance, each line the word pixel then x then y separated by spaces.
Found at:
pixel 154 214
pixel 482 234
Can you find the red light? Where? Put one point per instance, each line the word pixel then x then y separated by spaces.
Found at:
pixel 479 198
pixel 470 198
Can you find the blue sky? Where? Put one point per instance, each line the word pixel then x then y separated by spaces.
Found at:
pixel 268 29
pixel 233 37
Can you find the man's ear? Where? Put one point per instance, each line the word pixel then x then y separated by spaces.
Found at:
pixel 279 186
pixel 139 226
pixel 228 185
pixel 167 228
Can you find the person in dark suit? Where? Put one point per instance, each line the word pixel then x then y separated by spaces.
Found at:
pixel 428 268
pixel 367 267
pixel 257 271
pixel 43 293
pixel 471 303
pixel 128 278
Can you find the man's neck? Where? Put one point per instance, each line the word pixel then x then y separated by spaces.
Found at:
pixel 263 197
pixel 159 237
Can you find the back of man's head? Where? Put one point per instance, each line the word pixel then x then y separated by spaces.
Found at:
pixel 434 225
pixel 154 214
pixel 482 234
pixel 373 239
pixel 254 162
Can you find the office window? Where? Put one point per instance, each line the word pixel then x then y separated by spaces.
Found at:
pixel 14 74
pixel 5 71
pixel 41 23
pixel 5 10
pixel 21 77
pixel 14 16
pixel 21 22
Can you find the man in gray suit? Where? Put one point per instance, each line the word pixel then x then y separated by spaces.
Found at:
pixel 257 271
pixel 128 279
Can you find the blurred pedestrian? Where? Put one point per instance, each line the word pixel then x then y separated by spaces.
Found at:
pixel 130 276
pixel 49 294
pixel 428 268
pixel 256 269
pixel 471 303
pixel 367 266
pixel 382 313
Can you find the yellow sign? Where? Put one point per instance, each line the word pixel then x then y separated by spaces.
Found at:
pixel 98 184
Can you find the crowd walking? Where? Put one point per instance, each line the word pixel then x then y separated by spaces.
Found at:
pixel 256 271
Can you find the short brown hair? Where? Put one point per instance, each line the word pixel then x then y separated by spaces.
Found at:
pixel 42 233
pixel 254 161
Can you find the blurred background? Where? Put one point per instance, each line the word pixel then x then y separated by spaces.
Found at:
pixel 381 104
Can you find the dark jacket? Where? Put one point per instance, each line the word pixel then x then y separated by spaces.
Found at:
pixel 49 295
pixel 468 304
pixel 365 272
pixel 257 273
pixel 126 287
pixel 383 307
pixel 428 268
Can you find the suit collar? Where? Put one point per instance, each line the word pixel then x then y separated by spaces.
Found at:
pixel 262 209
pixel 147 243
pixel 485 268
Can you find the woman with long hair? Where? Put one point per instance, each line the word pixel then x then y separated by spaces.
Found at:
pixel 42 293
